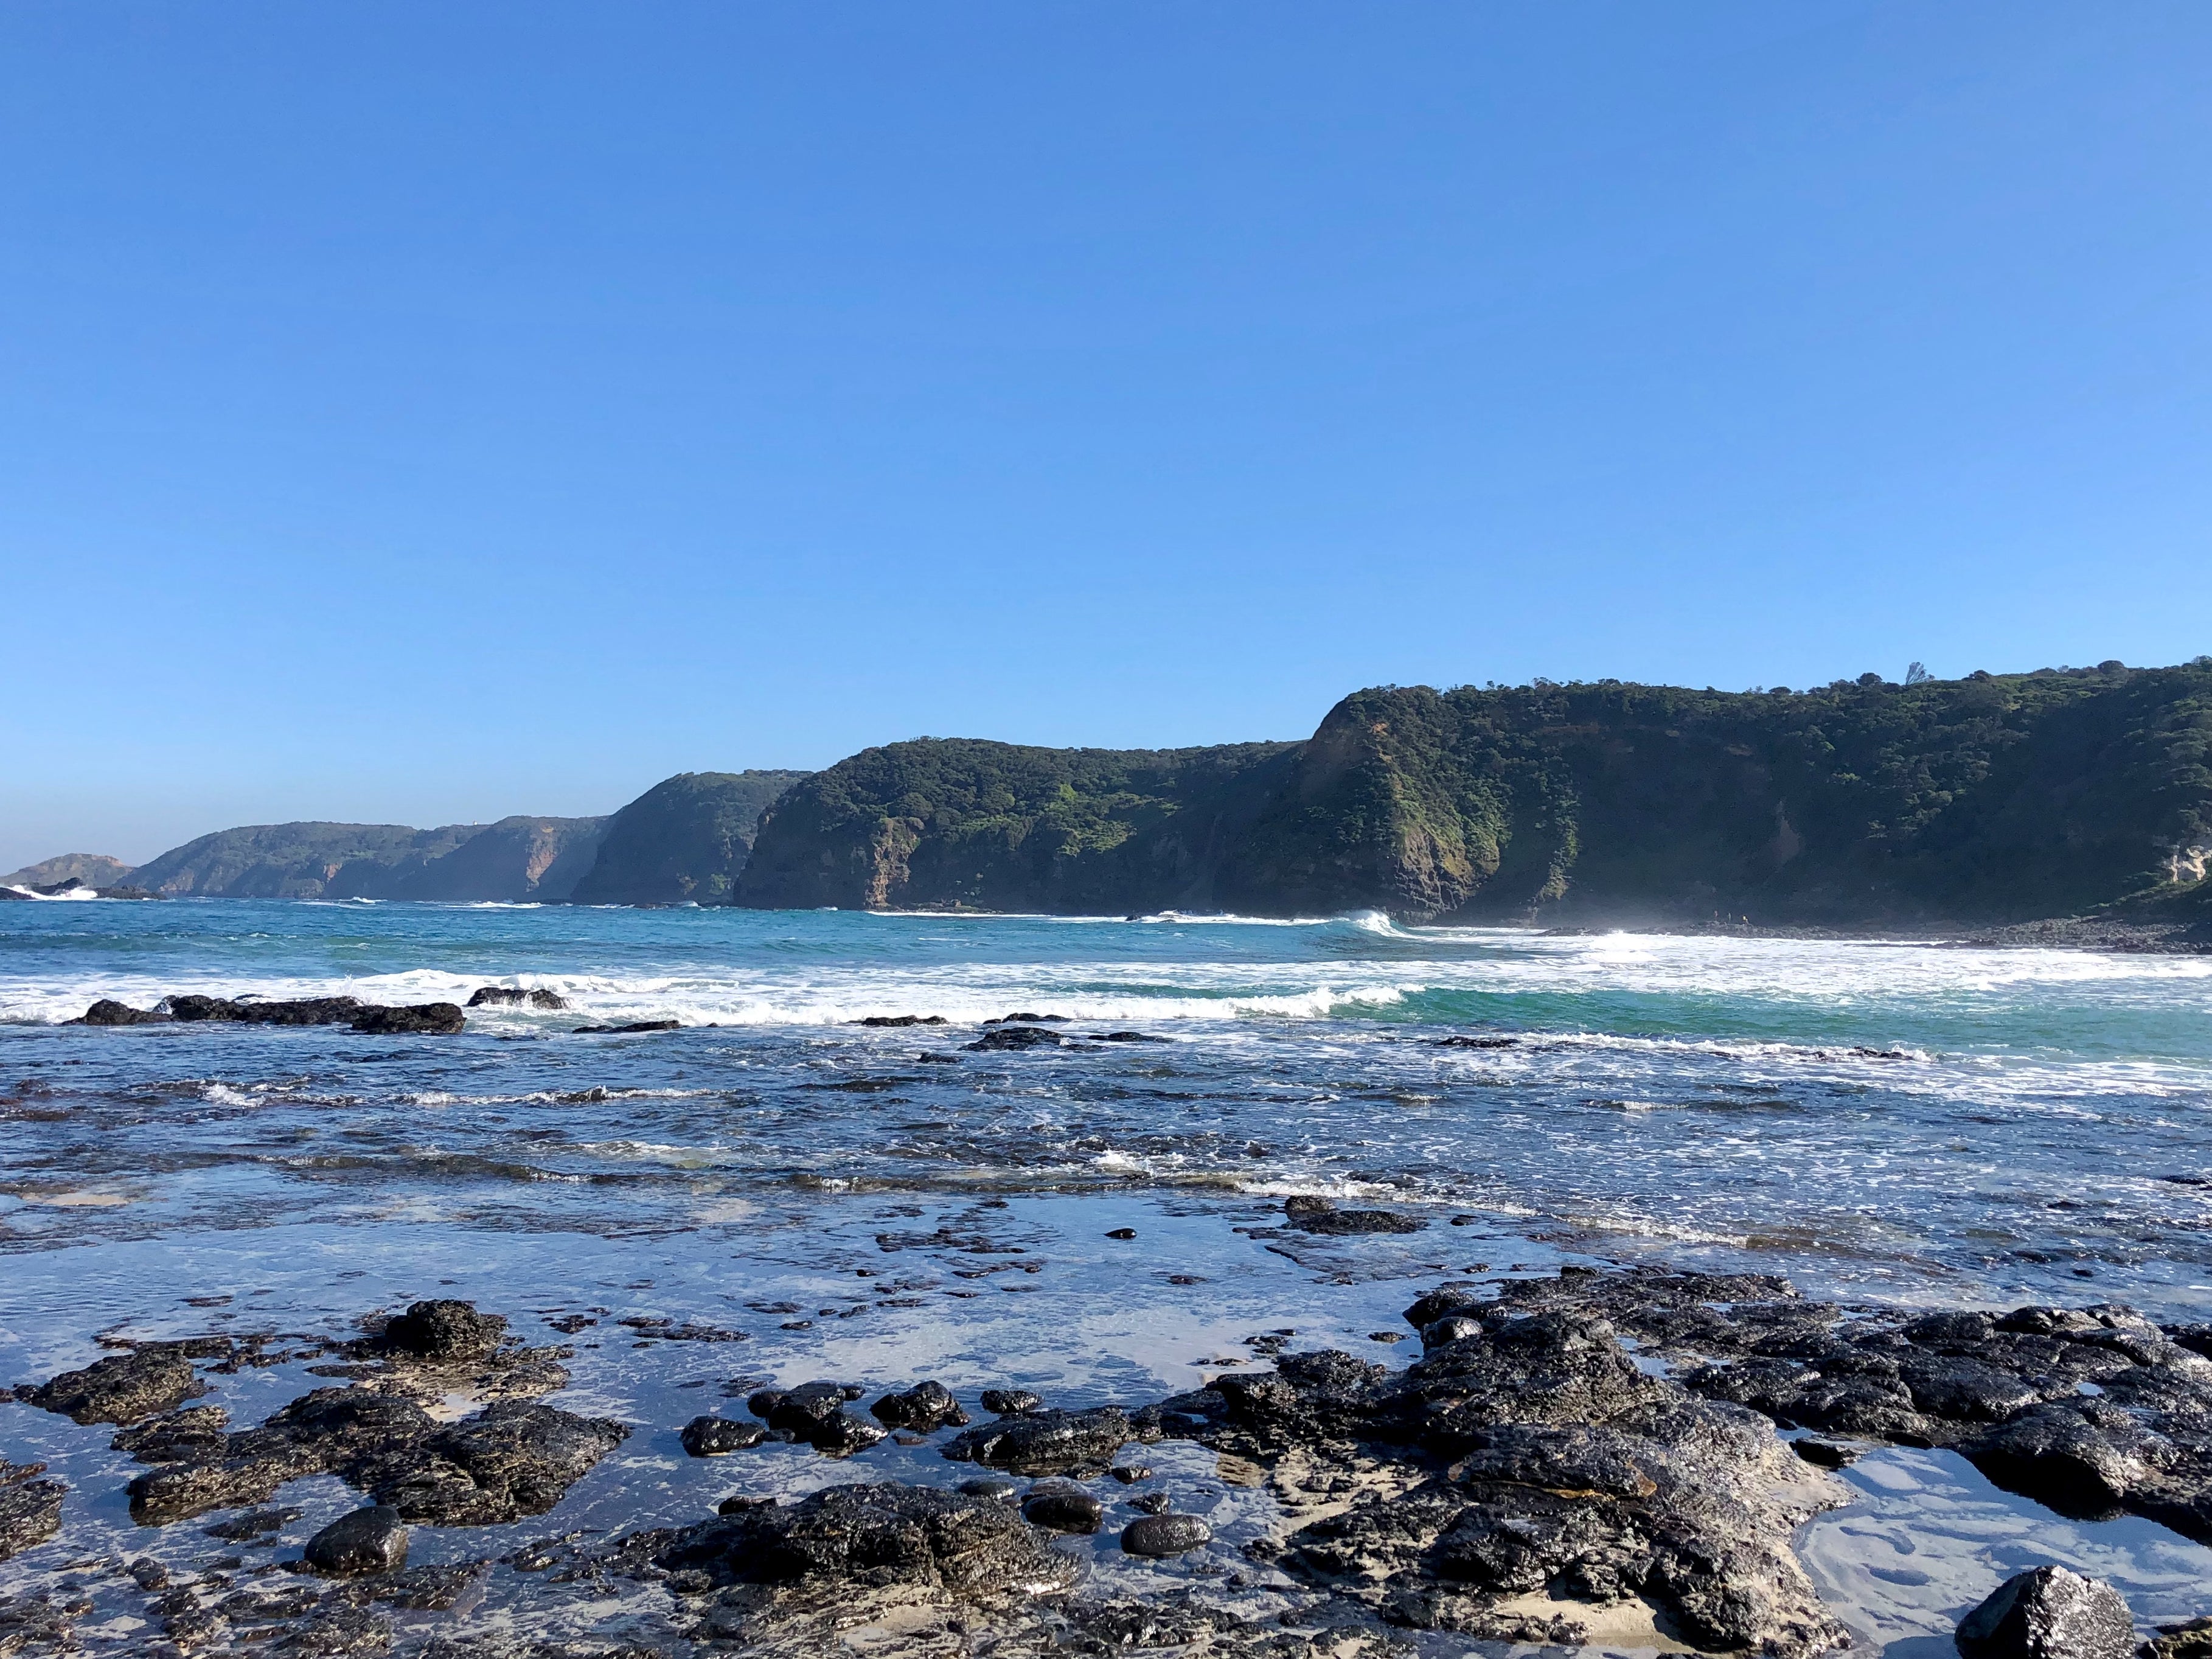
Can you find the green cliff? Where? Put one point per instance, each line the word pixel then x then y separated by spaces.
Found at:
pixel 1982 800
pixel 961 823
pixel 682 841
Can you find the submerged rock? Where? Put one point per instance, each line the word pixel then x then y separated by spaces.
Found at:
pixel 371 1540
pixel 635 1025
pixel 421 1019
pixel 1320 1215
pixel 1015 1036
pixel 896 1021
pixel 2049 1613
pixel 30 1509
pixel 122 1388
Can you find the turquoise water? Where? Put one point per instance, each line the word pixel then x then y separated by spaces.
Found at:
pixel 1898 1122
pixel 1917 1121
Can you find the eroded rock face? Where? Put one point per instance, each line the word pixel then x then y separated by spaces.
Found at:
pixel 2049 1613
pixel 30 1509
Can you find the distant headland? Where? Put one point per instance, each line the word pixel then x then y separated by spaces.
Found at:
pixel 1997 801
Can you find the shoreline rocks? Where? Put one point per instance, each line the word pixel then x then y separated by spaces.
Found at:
pixel 2049 1613
pixel 377 1019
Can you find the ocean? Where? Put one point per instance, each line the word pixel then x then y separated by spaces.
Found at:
pixel 1895 1122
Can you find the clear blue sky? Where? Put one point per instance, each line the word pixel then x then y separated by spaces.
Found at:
pixel 427 413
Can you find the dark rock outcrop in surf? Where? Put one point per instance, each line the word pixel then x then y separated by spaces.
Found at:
pixel 193 1008
pixel 496 996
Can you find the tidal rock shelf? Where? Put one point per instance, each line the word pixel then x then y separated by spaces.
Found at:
pixel 422 1019
pixel 1597 1458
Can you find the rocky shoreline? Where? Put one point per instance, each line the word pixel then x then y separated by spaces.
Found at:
pixel 1601 1458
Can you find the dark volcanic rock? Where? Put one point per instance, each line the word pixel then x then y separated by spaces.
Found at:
pixel 367 1540
pixel 924 1406
pixel 815 1412
pixel 1165 1535
pixel 513 1458
pixel 30 1509
pixel 897 1020
pixel 446 1331
pixel 1028 1019
pixel 510 1460
pixel 422 1019
pixel 1015 1036
pixel 108 1013
pixel 493 996
pixel 1046 1442
pixel 1319 1215
pixel 635 1025
pixel 123 1388
pixel 715 1437
pixel 1010 1402
pixel 2049 1614
pixel 877 1535
pixel 1063 1509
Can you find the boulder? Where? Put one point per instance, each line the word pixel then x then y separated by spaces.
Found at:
pixel 1063 1509
pixel 1010 1402
pixel 445 1332
pixel 923 1407
pixel 716 1436
pixel 1159 1535
pixel 2049 1613
pixel 1045 1441
pixel 816 1414
pixel 368 1540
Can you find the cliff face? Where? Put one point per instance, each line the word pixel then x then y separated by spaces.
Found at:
pixel 940 823
pixel 516 859
pixel 1985 800
pixel 683 840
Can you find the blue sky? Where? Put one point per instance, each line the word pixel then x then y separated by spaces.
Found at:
pixel 427 413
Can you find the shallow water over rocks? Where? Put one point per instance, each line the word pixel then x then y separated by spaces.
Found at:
pixel 776 1194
